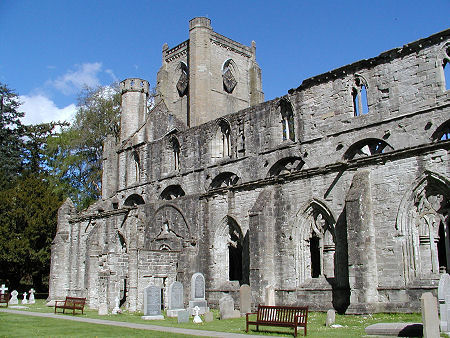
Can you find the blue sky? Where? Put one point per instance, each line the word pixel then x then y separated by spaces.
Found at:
pixel 49 50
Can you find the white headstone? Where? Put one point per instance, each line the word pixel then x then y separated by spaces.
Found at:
pixel 430 316
pixel 31 298
pixel 444 304
pixel 270 296
pixel 103 309
pixel 245 295
pixel 14 300
pixel 331 317
pixel 116 309
pixel 24 300
pixel 197 319
pixel 3 288
pixel 152 303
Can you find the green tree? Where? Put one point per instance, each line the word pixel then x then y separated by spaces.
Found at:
pixel 28 216
pixel 11 133
pixel 75 154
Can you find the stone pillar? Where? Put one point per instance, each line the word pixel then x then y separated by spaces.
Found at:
pixel 134 106
pixel 362 259
pixel 256 93
pixel 132 295
pixel 109 173
pixel 199 69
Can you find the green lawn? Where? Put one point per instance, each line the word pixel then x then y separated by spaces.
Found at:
pixel 15 325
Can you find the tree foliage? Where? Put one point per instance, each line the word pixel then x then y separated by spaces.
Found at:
pixel 75 155
pixel 11 132
pixel 28 219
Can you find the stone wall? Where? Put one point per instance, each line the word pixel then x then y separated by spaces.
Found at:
pixel 329 208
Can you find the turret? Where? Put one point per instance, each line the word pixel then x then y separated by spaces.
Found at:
pixel 134 105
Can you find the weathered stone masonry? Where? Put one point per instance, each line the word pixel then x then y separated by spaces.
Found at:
pixel 336 194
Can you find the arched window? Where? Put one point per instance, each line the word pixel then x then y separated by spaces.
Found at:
pixel 442 133
pixel 172 192
pixel 287 120
pixel 286 166
pixel 229 72
pixel 183 81
pixel 134 200
pixel 136 166
pixel 315 238
pixel 444 63
pixel 225 179
pixel 367 147
pixel 175 146
pixel 359 93
pixel 221 143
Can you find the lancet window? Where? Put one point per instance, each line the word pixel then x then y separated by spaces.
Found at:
pixel 359 93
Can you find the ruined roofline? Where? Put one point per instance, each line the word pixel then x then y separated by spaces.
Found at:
pixel 384 57
pixel 233 44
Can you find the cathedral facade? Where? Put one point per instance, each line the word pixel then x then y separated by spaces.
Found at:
pixel 335 195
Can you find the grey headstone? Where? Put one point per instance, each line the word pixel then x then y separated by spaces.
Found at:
pixel 331 317
pixel 183 316
pixel 245 296
pixel 176 296
pixel 14 299
pixel 226 308
pixel 102 309
pixel 152 301
pixel 198 286
pixel 444 305
pixel 430 316
pixel 209 317
pixel 395 329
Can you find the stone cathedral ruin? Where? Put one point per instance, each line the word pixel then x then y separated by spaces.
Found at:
pixel 336 194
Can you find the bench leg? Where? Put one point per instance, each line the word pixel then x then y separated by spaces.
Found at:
pixel 295 331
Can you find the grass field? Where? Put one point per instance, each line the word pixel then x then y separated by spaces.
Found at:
pixel 12 325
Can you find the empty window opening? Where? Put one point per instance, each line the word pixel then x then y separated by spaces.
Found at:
pixel 137 166
pixel 123 292
pixel 367 147
pixel 359 93
pixel 443 248
pixel 314 246
pixel 235 258
pixel 287 120
pixel 225 179
pixel 134 200
pixel 176 153
pixel 442 133
pixel 446 68
pixel 221 144
pixel 286 166
pixel 172 192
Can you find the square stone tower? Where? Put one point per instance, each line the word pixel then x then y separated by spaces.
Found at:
pixel 208 76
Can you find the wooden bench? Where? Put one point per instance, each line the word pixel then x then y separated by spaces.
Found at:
pixel 71 303
pixel 285 316
pixel 4 298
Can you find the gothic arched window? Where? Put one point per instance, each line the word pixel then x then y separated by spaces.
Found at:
pixel 221 143
pixel 229 73
pixel 287 120
pixel 359 93
pixel 175 147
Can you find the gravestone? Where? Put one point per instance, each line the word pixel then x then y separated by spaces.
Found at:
pixel 116 309
pixel 14 300
pixel 152 303
pixel 183 316
pixel 444 302
pixel 245 297
pixel 31 298
pixel 331 317
pixel 197 319
pixel 226 308
pixel 198 294
pixel 3 288
pixel 270 296
pixel 430 318
pixel 24 300
pixel 176 303
pixel 208 316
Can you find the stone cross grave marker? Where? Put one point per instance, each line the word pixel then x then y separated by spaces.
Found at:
pixel 430 316
pixel 14 300
pixel 3 288
pixel 444 302
pixel 245 296
pixel 176 302
pixel 24 300
pixel 152 303
pixel 31 298
pixel 198 293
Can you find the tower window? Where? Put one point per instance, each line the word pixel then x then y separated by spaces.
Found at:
pixel 359 93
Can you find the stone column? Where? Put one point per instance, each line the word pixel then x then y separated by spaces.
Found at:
pixel 109 174
pixel 362 259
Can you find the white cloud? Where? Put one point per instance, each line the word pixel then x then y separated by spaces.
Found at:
pixel 84 75
pixel 111 73
pixel 40 109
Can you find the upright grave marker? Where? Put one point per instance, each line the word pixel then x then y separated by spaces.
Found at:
pixel 176 303
pixel 444 302
pixel 198 294
pixel 245 295
pixel 152 303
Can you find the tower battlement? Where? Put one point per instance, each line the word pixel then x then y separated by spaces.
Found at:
pixel 134 85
